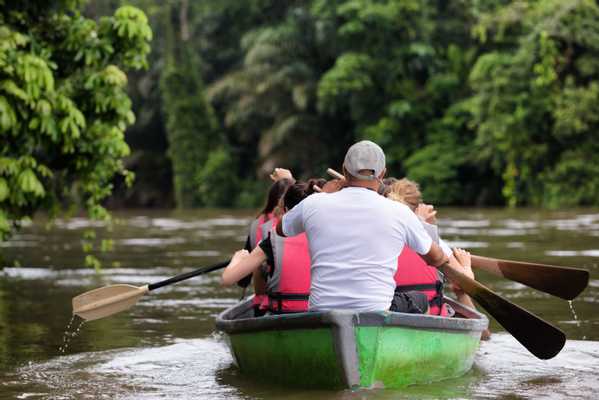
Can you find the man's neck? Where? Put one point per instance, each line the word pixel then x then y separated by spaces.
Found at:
pixel 372 185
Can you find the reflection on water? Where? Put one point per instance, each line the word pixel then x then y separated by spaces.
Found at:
pixel 164 347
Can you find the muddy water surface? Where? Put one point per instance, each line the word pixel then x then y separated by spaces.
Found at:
pixel 166 347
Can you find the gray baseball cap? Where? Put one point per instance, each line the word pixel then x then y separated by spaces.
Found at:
pixel 364 155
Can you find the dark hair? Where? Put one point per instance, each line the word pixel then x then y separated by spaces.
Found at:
pixel 387 182
pixel 320 182
pixel 274 194
pixel 299 191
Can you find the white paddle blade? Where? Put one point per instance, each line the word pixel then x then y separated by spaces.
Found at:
pixel 105 301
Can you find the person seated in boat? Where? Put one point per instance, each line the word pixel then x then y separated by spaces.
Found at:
pixel 288 280
pixel 412 271
pixel 276 191
pixel 260 227
pixel 355 237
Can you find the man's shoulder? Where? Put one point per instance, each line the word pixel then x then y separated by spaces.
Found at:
pixel 317 198
pixel 393 205
pixel 397 210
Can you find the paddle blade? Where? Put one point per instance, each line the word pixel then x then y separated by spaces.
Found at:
pixel 541 338
pixel 563 282
pixel 105 301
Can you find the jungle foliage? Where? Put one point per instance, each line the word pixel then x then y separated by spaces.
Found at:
pixel 482 102
pixel 63 105
pixel 485 102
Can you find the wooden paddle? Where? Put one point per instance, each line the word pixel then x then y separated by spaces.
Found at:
pixel 109 300
pixel 564 282
pixel 540 337
pixel 335 174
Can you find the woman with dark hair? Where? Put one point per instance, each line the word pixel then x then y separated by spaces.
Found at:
pixel 258 230
pixel 288 259
pixel 276 191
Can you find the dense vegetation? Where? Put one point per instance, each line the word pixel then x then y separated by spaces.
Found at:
pixel 482 102
pixel 63 105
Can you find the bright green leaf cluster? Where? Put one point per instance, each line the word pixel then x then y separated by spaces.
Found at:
pixel 535 101
pixel 63 105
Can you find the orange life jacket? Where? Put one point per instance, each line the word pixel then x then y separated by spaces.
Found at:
pixel 256 232
pixel 413 274
pixel 288 285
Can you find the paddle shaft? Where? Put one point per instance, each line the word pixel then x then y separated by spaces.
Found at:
pixel 187 275
pixel 335 174
pixel 109 300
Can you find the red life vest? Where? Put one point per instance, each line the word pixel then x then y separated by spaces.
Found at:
pixel 413 274
pixel 288 286
pixel 257 232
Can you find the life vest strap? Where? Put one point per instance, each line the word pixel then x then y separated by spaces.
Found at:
pixel 289 296
pixel 422 286
pixel 437 300
pixel 278 298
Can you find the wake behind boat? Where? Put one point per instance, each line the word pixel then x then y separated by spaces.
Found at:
pixel 338 349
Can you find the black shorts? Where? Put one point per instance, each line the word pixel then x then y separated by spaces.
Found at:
pixel 412 302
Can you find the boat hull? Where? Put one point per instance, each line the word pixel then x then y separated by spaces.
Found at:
pixel 340 349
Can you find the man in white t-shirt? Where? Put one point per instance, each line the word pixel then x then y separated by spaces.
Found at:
pixel 355 237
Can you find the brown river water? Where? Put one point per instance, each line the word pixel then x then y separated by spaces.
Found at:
pixel 165 347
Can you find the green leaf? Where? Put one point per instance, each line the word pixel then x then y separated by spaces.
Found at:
pixel 10 87
pixel 8 166
pixel 4 190
pixel 28 183
pixel 4 225
pixel 8 118
pixel 93 262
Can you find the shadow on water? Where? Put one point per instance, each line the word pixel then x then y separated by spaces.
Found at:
pixel 254 389
pixel 502 370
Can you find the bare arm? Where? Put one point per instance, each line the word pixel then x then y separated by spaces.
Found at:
pixel 461 261
pixel 281 173
pixel 242 264
pixel 435 256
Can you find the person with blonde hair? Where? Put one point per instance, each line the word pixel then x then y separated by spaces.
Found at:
pixel 412 271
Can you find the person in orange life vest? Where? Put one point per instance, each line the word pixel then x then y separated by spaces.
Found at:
pixel 290 255
pixel 413 270
pixel 289 278
pixel 413 274
pixel 257 231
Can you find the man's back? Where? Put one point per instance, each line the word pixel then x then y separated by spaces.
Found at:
pixel 355 238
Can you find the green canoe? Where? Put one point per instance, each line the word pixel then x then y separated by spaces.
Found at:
pixel 344 349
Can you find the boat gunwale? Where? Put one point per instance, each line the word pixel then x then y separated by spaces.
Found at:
pixel 229 322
